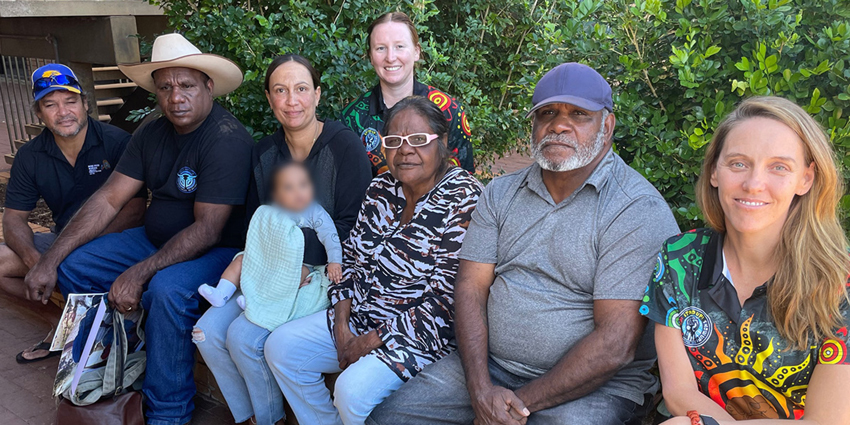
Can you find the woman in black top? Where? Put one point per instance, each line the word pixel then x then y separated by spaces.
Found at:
pixel 333 153
pixel 341 174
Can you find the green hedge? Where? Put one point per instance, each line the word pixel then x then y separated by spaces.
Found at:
pixel 676 66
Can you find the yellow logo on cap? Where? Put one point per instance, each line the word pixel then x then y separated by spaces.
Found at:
pixel 50 73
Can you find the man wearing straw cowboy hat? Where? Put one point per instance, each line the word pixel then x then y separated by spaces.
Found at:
pixel 195 159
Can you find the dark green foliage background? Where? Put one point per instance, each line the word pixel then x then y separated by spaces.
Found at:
pixel 676 66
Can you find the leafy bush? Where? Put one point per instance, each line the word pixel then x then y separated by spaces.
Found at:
pixel 676 66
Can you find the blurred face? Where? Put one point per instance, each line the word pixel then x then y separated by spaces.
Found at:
pixel 393 53
pixel 63 112
pixel 413 166
pixel 565 137
pixel 293 189
pixel 292 97
pixel 185 97
pixel 761 168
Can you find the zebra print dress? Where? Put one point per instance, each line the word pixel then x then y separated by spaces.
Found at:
pixel 401 278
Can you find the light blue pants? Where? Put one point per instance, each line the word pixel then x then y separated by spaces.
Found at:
pixel 299 352
pixel 233 349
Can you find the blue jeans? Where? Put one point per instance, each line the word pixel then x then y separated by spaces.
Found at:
pixel 438 395
pixel 172 303
pixel 233 348
pixel 300 351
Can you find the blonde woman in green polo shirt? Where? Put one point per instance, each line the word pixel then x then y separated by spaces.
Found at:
pixel 752 314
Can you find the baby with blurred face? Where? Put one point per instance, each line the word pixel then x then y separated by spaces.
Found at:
pixel 292 191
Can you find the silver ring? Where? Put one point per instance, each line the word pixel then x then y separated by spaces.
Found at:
pixel 129 308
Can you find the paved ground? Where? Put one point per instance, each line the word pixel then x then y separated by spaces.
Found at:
pixel 25 389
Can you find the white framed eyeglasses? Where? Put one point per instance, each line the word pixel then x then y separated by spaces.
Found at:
pixel 414 140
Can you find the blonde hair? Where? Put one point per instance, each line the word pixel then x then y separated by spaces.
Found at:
pixel 809 286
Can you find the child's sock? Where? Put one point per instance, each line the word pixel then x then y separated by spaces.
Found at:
pixel 240 301
pixel 219 295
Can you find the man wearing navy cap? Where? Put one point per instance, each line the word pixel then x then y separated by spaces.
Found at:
pixel 65 165
pixel 553 268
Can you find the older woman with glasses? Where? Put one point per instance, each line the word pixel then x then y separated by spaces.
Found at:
pixel 392 314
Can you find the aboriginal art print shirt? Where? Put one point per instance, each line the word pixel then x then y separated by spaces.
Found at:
pixel 400 277
pixel 366 117
pixel 739 359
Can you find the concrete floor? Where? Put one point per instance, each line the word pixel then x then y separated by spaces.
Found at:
pixel 25 390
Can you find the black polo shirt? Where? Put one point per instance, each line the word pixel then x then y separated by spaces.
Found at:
pixel 211 164
pixel 366 117
pixel 40 170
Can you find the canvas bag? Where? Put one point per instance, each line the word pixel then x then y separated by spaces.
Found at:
pixel 121 371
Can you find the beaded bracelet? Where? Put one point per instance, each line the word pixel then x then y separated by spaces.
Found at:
pixel 695 419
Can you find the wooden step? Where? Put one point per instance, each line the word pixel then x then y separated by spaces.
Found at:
pixel 9 158
pixel 18 143
pixel 4 177
pixel 103 91
pixel 112 101
pixel 104 118
pixel 107 73
pixel 109 106
pixel 33 129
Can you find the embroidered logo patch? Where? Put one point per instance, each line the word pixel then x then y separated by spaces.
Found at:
pixel 696 327
pixel 371 139
pixel 95 168
pixel 187 180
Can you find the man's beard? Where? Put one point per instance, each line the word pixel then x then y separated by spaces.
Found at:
pixel 583 155
pixel 72 133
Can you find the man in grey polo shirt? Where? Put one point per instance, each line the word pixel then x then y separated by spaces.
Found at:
pixel 553 269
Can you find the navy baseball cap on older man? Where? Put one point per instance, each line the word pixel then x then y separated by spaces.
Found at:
pixel 573 83
pixel 52 77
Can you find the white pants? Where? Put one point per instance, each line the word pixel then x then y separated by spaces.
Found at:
pixel 299 352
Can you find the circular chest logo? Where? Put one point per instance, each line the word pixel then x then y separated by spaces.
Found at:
pixel 371 139
pixel 696 327
pixel 187 180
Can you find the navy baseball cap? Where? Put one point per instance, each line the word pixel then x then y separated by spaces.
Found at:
pixel 52 77
pixel 573 83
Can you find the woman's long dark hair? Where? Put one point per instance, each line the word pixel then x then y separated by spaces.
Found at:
pixel 291 57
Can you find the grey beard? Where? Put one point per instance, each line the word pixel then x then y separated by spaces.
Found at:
pixel 584 153
pixel 70 133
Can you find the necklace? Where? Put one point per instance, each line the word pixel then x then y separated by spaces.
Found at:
pixel 315 137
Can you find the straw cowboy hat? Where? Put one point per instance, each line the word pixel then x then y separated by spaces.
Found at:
pixel 174 51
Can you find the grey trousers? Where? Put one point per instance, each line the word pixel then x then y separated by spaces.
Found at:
pixel 438 395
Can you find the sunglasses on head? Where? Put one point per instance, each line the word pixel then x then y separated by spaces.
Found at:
pixel 414 140
pixel 54 80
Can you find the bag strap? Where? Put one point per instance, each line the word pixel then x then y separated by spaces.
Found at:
pixel 113 378
pixel 113 375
